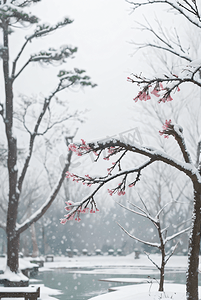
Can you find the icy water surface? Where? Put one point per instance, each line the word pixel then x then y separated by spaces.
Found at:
pixel 82 284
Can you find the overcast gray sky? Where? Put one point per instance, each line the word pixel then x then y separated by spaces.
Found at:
pixel 102 30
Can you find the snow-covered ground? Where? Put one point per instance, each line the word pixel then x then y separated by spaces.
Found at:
pixel 144 292
pixel 119 265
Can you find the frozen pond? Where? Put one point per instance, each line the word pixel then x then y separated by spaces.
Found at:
pixel 84 283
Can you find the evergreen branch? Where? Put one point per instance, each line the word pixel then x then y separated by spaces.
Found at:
pixel 45 29
pixel 41 30
pixel 14 14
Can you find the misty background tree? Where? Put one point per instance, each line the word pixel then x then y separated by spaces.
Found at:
pixel 164 237
pixel 36 116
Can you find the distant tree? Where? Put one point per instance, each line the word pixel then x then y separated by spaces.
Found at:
pixel 14 13
pixel 162 232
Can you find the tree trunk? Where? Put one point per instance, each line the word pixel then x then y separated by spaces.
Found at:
pixel 162 270
pixel 12 250
pixel 35 251
pixel 12 236
pixel 194 248
pixel 162 249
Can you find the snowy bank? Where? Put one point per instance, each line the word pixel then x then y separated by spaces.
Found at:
pixel 144 292
pixel 116 261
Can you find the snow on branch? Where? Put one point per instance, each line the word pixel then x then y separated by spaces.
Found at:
pixel 133 211
pixel 161 236
pixel 82 206
pixel 177 132
pixel 169 238
pixel 41 31
pixel 25 2
pixel 52 54
pixel 146 214
pixel 44 29
pixel 13 12
pixel 48 57
pixel 77 76
pixel 157 245
pixel 163 87
pixel 113 148
pixel 19 3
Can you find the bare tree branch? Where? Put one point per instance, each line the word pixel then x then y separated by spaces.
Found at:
pixel 139 240
pixel 40 212
pixel 169 238
pixel 153 262
pixel 191 14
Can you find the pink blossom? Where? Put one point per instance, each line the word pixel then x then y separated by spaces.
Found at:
pixel 155 93
pixel 129 79
pixel 68 174
pixel 63 221
pixel 169 98
pixel 167 124
pixel 71 217
pixel 110 192
pixel 121 193
pixel 165 127
pixel 68 205
pixel 111 150
pixel 67 208
pixel 142 96
pixel 166 99
pixel 84 211
pixel 72 147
